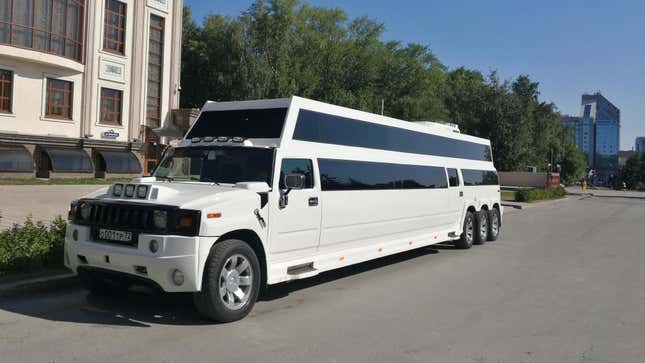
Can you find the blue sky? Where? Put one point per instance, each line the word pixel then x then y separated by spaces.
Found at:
pixel 569 46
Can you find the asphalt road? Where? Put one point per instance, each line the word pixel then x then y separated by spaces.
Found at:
pixel 565 283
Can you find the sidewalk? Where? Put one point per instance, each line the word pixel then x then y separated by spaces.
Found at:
pixel 42 202
pixel 606 193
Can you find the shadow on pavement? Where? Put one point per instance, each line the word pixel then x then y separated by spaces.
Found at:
pixel 142 307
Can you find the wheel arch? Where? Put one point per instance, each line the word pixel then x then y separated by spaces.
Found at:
pixel 254 241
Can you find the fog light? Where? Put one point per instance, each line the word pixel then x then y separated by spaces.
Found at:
pixel 154 246
pixel 178 277
pixel 75 235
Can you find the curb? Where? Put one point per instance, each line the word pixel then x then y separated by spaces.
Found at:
pixel 513 205
pixel 607 196
pixel 44 283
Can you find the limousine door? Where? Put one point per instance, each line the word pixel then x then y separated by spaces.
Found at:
pixel 295 225
pixel 456 196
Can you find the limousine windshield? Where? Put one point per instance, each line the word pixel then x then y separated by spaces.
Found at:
pixel 224 165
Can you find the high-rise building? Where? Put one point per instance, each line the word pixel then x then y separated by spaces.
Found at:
pixel 640 145
pixel 597 133
pixel 84 83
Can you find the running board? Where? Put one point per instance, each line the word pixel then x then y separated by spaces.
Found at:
pixel 301 269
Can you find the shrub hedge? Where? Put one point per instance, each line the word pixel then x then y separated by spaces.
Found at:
pixel 32 246
pixel 532 195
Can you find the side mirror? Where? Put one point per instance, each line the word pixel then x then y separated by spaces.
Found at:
pixel 294 181
pixel 290 182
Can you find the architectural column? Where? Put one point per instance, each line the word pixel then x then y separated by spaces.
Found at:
pixel 137 76
pixel 90 65
pixel 175 60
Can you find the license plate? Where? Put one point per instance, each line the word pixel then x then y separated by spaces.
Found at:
pixel 112 235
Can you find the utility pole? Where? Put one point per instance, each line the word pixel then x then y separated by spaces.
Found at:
pixel 382 106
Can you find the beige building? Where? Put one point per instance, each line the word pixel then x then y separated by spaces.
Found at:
pixel 84 82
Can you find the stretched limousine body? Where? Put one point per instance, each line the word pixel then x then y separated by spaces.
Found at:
pixel 262 192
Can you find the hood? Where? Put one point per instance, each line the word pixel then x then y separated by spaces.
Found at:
pixel 185 195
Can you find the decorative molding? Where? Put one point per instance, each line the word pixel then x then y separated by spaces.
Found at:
pixel 159 4
pixel 110 70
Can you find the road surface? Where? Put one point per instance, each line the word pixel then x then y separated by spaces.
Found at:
pixel 565 283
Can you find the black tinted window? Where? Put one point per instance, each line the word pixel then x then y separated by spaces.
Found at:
pixel 229 165
pixel 453 177
pixel 15 159
pixel 250 124
pixel 69 160
pixel 480 177
pixel 361 175
pixel 298 166
pixel 323 128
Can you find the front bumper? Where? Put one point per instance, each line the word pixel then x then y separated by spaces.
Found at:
pixel 175 253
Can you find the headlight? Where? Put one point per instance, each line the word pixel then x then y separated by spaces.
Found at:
pixel 187 222
pixel 129 190
pixel 117 190
pixel 142 191
pixel 160 219
pixel 85 211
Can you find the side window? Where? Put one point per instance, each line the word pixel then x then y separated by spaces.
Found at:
pixel 298 166
pixel 453 176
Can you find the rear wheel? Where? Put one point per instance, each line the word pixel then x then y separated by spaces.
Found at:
pixel 468 233
pixel 481 227
pixel 231 282
pixel 493 224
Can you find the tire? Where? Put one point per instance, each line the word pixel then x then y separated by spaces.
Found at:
pixel 231 283
pixel 481 227
pixel 493 224
pixel 100 286
pixel 468 233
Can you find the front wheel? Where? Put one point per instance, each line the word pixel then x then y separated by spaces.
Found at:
pixel 231 282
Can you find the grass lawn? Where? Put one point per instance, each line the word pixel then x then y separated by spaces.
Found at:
pixel 71 181
pixel 508 196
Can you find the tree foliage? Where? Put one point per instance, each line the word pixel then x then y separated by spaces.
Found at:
pixel 279 48
pixel 633 173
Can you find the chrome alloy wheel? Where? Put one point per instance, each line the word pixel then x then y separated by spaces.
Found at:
pixel 470 229
pixel 236 282
pixel 483 230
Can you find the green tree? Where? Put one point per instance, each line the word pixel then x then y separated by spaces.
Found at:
pixel 280 48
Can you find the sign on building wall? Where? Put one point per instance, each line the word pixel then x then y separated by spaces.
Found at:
pixel 112 71
pixel 159 4
pixel 110 134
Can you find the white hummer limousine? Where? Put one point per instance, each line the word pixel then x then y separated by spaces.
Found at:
pixel 262 192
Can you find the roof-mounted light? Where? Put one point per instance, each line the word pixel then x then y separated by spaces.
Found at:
pixel 196 140
pixel 222 139
pixel 238 140
pixel 208 139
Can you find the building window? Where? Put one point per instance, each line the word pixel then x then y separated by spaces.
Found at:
pixel 59 99
pixel 114 33
pixel 155 70
pixel 111 106
pixel 50 26
pixel 6 91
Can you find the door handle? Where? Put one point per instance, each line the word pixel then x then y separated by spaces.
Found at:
pixel 313 201
pixel 461 194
